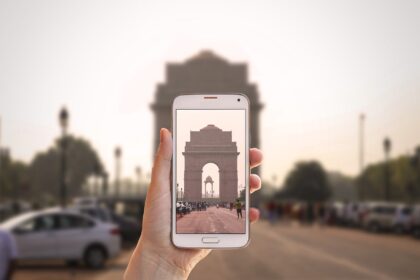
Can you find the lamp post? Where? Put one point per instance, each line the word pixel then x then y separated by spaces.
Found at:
pixel 105 183
pixel 117 153
pixel 63 120
pixel 387 150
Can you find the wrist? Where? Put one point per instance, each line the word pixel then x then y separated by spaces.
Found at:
pixel 147 263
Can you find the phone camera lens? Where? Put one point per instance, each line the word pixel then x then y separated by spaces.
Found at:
pixel 239 100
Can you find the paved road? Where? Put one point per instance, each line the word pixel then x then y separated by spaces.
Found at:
pixel 213 220
pixel 287 252
pixel 298 252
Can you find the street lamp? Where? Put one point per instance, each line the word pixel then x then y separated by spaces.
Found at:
pixel 105 183
pixel 118 153
pixel 64 121
pixel 387 150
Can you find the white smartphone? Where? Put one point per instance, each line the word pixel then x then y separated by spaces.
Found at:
pixel 210 171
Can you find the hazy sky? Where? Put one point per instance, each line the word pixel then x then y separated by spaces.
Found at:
pixel 317 64
pixel 226 120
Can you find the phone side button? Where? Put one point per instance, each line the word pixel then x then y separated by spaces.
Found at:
pixel 213 240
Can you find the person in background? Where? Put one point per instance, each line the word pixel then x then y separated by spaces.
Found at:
pixel 271 207
pixel 238 206
pixel 8 254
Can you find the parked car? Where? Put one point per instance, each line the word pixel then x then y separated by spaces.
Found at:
pixel 402 222
pixel 387 216
pixel 64 234
pixel 353 212
pixel 11 208
pixel 130 228
pixel 94 211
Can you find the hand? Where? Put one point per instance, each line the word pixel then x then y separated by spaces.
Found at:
pixel 155 257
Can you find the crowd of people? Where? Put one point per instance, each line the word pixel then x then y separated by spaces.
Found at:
pixel 183 208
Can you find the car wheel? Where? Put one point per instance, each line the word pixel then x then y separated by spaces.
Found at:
pixel 95 257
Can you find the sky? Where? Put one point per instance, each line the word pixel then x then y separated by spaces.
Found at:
pixel 317 65
pixel 226 120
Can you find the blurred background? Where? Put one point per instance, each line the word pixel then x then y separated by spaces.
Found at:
pixel 334 87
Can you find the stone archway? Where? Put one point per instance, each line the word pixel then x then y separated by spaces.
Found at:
pixel 211 145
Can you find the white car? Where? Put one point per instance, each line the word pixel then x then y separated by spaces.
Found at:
pixel 64 234
pixel 387 216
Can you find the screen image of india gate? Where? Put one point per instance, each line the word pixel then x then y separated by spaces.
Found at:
pixel 210 171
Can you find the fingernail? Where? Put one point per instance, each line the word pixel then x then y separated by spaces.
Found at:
pixel 161 135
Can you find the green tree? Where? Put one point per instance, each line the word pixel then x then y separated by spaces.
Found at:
pixel 44 170
pixel 13 179
pixel 308 182
pixel 404 181
pixel 343 188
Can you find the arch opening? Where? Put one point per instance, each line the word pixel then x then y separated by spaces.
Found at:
pixel 210 181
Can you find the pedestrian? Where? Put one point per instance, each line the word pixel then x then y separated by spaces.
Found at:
pixel 238 206
pixel 8 254
pixel 271 212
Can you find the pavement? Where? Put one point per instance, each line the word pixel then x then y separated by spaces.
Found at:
pixel 213 220
pixel 284 251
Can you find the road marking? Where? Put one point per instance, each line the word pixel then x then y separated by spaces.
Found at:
pixel 316 253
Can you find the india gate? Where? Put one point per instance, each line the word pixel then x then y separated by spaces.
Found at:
pixel 211 145
pixel 205 72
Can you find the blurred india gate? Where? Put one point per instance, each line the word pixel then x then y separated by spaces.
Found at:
pixel 205 72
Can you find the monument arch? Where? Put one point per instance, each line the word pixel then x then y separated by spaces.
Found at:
pixel 211 145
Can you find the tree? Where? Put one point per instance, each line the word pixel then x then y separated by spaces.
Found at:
pixel 343 188
pixel 405 180
pixel 13 179
pixel 43 172
pixel 308 182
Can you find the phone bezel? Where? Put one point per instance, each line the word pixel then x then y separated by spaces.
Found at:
pixel 215 102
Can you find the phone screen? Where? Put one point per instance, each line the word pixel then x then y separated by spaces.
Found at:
pixel 210 171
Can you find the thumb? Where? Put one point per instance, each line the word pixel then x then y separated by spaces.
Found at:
pixel 162 165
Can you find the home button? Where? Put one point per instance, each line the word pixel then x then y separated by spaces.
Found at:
pixel 213 240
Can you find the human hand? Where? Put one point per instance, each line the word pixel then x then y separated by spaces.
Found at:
pixel 155 257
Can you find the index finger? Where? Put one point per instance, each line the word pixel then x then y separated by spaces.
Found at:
pixel 255 157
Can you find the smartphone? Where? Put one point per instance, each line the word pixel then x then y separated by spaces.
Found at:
pixel 210 171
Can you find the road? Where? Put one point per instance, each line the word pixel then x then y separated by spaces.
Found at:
pixel 286 252
pixel 213 220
